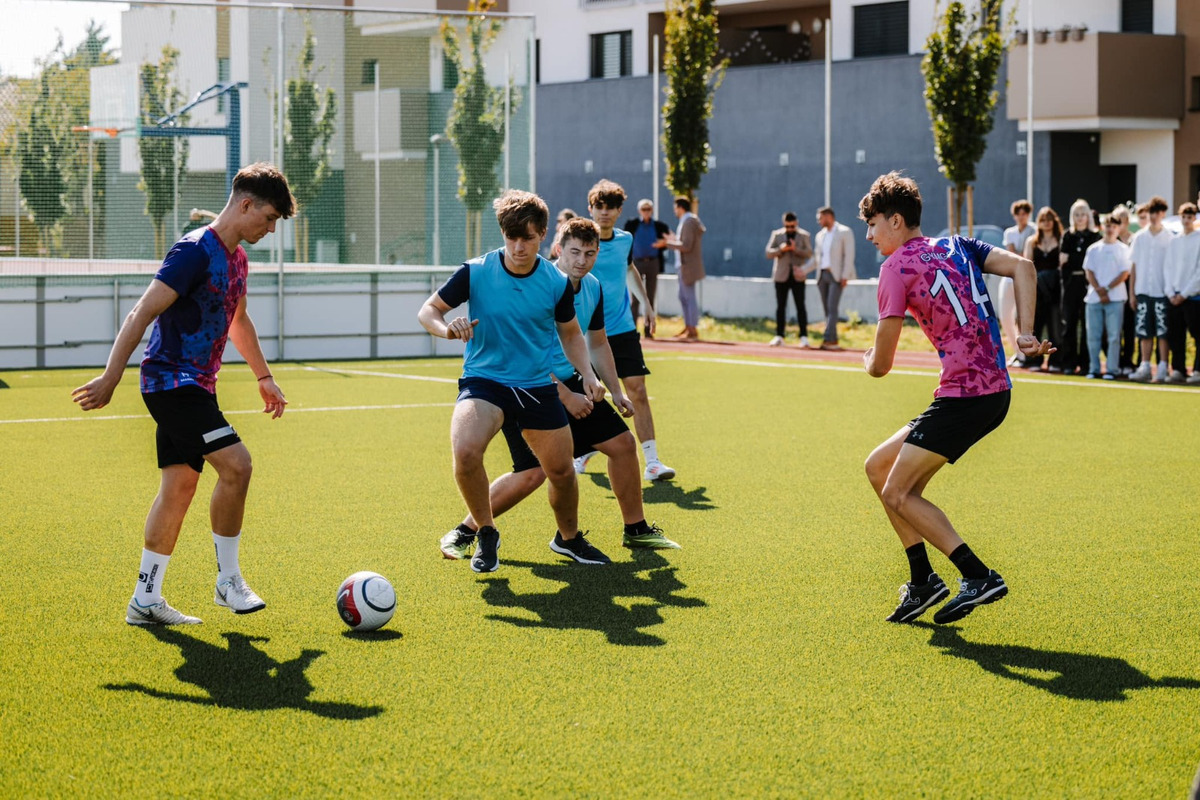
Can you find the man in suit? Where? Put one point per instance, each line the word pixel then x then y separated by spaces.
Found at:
pixel 834 253
pixel 687 242
pixel 791 249
pixel 649 242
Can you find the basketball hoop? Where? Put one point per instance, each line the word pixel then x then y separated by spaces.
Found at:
pixel 112 132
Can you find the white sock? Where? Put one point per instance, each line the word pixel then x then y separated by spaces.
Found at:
pixel 227 555
pixel 150 578
pixel 650 450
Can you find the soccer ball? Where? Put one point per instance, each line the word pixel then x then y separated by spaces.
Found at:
pixel 366 601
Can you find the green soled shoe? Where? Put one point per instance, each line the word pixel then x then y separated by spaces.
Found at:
pixel 652 538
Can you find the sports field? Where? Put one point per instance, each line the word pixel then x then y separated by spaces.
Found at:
pixel 754 662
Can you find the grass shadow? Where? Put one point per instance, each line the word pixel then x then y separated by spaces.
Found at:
pixel 588 601
pixel 373 636
pixel 243 677
pixel 1078 676
pixel 663 492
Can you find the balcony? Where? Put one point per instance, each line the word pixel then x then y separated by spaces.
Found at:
pixel 1103 81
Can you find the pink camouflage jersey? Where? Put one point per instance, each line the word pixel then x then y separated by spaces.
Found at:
pixel 941 282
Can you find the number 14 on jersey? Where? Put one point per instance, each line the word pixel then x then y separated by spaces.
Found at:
pixel 941 283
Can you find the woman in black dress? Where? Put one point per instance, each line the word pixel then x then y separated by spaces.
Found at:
pixel 1043 249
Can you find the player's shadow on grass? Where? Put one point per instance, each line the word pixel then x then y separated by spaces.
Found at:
pixel 588 601
pixel 664 492
pixel 1078 676
pixel 244 677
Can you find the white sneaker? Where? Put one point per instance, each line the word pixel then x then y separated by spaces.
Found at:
pixel 1161 375
pixel 582 462
pixel 234 594
pixel 1176 377
pixel 776 342
pixel 658 471
pixel 804 341
pixel 157 614
pixel 1142 373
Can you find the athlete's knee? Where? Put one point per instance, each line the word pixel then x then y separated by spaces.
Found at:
pixel 877 468
pixel 636 389
pixel 895 497
pixel 179 486
pixel 236 469
pixel 560 473
pixel 467 457
pixel 531 479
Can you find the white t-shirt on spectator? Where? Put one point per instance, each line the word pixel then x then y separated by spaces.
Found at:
pixel 1182 273
pixel 1106 262
pixel 1017 238
pixel 1149 257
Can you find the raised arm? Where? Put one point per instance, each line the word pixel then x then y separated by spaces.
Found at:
pixel 432 317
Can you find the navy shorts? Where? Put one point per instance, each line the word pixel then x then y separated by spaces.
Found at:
pixel 951 425
pixel 627 354
pixel 537 408
pixel 1151 319
pixel 190 426
pixel 602 424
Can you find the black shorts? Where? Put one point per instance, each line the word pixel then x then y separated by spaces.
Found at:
pixel 627 353
pixel 951 425
pixel 190 426
pixel 602 424
pixel 536 408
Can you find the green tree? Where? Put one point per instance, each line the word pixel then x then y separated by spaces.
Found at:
pixel 311 122
pixel 961 64
pixel 43 154
pixel 164 158
pixel 693 76
pixel 476 123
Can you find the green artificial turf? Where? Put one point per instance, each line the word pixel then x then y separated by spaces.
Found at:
pixel 753 662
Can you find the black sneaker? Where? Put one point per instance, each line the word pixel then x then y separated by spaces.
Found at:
pixel 972 593
pixel 916 600
pixel 578 548
pixel 487 543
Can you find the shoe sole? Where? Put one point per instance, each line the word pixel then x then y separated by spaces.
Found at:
pixel 481 569
pixel 912 615
pixel 662 476
pixel 217 599
pixel 562 551
pixel 655 546
pixel 449 556
pixel 966 608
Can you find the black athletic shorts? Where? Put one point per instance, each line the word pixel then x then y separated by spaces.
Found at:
pixel 535 408
pixel 951 425
pixel 190 426
pixel 627 353
pixel 602 424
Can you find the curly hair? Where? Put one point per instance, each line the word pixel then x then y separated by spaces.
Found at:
pixel 890 194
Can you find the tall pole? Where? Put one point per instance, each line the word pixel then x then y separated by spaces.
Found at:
pixel 507 119
pixel 378 226
pixel 436 141
pixel 655 114
pixel 279 90
pixel 1029 104
pixel 828 112
pixel 91 201
pixel 17 209
pixel 532 82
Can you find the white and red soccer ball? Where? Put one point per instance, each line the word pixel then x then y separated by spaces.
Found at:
pixel 366 601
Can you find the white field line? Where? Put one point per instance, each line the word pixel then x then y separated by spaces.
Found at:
pixel 374 374
pixel 290 411
pixel 1094 384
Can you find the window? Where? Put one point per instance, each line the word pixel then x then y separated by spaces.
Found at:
pixel 612 54
pixel 1194 105
pixel 1137 16
pixel 368 71
pixel 537 60
pixel 222 77
pixel 1194 182
pixel 881 29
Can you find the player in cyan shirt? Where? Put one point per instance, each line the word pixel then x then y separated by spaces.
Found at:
pixel 940 281
pixel 196 302
pixel 521 307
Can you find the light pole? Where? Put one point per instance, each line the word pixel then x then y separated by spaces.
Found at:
pixel 435 142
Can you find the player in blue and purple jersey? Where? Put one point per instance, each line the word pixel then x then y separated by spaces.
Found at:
pixel 940 281
pixel 196 302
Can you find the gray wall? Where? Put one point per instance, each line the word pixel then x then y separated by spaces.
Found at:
pixel 760 112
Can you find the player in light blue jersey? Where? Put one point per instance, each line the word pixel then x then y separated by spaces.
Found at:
pixel 618 276
pixel 521 308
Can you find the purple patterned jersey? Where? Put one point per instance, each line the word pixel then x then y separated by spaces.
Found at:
pixel 941 282
pixel 188 339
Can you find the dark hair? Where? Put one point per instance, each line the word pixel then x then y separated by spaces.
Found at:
pixel 826 210
pixel 517 210
pixel 890 194
pixel 1019 206
pixel 265 184
pixel 1187 208
pixel 1156 205
pixel 565 215
pixel 581 229
pixel 1046 212
pixel 789 216
pixel 684 203
pixel 606 193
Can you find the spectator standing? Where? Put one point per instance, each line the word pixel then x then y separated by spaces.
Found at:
pixel 649 243
pixel 688 242
pixel 1043 250
pixel 833 249
pixel 1073 344
pixel 1014 242
pixel 1183 296
pixel 1128 337
pixel 1105 268
pixel 1149 300
pixel 791 249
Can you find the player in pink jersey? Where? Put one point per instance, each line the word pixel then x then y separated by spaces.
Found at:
pixel 941 282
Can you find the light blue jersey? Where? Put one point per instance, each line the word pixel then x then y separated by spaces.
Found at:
pixel 516 338
pixel 611 266
pixel 589 312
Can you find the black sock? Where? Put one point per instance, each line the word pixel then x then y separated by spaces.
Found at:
pixel 968 563
pixel 638 527
pixel 918 564
pixel 464 529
